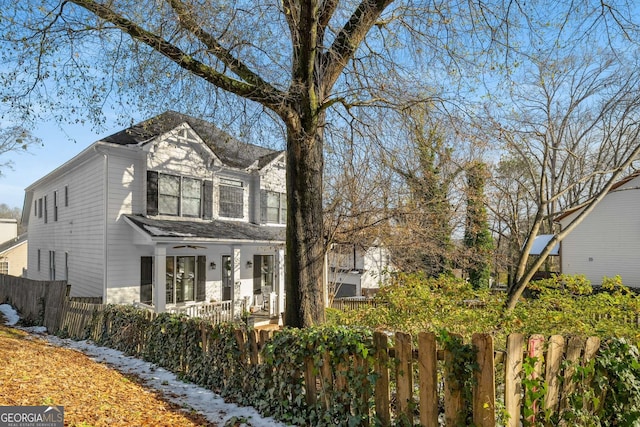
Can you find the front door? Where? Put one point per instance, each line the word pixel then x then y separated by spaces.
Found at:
pixel 226 277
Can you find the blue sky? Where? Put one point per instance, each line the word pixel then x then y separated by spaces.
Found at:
pixel 58 146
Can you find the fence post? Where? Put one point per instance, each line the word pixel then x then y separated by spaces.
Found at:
pixel 574 349
pixel 326 379
pixel 454 409
pixel 484 393
pixel 555 353
pixel 311 394
pixel 536 347
pixel 382 398
pixel 404 377
pixel 428 378
pixel 513 381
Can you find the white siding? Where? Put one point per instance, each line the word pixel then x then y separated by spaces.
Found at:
pixel 377 266
pixel 607 242
pixel 272 178
pixel 181 153
pixel 78 230
pixel 126 186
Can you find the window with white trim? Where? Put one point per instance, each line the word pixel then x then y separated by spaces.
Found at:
pixel 178 196
pixel 231 198
pixel 4 266
pixel 52 265
pixel 55 205
pixel 273 207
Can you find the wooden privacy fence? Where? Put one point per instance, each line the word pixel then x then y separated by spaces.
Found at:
pixel 38 302
pixel 78 319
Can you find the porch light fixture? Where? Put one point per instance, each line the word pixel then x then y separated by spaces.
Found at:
pixel 249 264
pixel 212 265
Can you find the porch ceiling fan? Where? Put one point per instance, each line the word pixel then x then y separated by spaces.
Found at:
pixel 189 247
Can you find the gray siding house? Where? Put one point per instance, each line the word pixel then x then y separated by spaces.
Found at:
pixel 169 212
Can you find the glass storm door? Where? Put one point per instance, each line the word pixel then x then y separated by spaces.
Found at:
pixel 226 277
pixel 185 278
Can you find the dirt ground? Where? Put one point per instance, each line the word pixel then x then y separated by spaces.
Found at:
pixel 36 373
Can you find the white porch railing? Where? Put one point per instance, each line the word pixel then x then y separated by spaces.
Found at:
pixel 216 312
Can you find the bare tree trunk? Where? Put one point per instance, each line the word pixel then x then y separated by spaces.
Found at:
pixel 305 238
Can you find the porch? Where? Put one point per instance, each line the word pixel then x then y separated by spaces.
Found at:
pixel 220 312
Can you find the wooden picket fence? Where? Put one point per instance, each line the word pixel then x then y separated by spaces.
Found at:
pixel 417 381
pixel 353 303
pixel 416 388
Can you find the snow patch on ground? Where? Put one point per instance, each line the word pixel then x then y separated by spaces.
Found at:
pixel 187 395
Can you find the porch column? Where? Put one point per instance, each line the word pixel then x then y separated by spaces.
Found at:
pixel 280 282
pixel 160 279
pixel 236 294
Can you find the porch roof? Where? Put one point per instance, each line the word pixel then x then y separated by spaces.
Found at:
pixel 214 230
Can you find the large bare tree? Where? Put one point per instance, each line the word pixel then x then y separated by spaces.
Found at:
pixel 296 61
pixel 574 133
pixel 307 65
pixel 14 139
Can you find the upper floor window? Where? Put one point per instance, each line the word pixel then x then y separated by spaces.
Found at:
pixel 4 266
pixel 168 194
pixel 178 196
pixel 273 207
pixel 191 197
pixel 55 205
pixel 231 199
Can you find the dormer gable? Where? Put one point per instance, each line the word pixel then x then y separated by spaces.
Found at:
pixel 231 152
pixel 181 150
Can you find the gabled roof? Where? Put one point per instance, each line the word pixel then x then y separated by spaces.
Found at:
pixel 615 187
pixel 11 243
pixel 215 230
pixel 230 151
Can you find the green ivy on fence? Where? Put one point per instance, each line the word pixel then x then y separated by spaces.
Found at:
pixel 338 359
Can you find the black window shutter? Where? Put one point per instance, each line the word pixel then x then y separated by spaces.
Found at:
pixel 146 279
pixel 152 193
pixel 201 287
pixel 207 200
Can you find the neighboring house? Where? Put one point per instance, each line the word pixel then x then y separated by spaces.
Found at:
pixel 607 241
pixel 8 229
pixel 551 265
pixel 13 248
pixel 168 212
pixel 356 270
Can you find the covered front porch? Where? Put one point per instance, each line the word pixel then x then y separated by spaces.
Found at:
pixel 220 312
pixel 211 274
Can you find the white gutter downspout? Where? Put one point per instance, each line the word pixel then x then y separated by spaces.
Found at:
pixel 105 198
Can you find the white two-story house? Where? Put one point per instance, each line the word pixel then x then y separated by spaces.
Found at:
pixel 169 212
